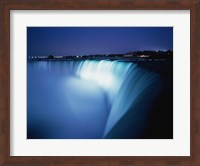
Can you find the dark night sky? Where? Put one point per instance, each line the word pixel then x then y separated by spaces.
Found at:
pixel 62 41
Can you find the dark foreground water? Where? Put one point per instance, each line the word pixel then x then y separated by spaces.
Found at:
pixel 99 99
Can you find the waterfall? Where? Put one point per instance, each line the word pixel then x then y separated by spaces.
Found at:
pixel 130 90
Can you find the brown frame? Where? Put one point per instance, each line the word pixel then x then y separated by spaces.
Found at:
pixel 7 5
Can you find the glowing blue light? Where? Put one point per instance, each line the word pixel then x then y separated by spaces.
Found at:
pixel 100 72
pixel 108 74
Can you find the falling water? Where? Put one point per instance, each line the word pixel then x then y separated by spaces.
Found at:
pixel 127 89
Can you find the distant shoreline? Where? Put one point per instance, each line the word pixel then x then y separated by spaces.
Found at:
pixel 130 56
pixel 98 59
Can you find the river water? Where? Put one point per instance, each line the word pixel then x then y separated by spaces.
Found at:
pixel 90 99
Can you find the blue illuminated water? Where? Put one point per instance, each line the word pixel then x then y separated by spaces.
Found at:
pixel 89 99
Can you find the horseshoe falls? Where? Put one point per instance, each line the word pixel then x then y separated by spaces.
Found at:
pixel 90 99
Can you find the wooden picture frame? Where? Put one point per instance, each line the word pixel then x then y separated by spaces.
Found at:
pixel 7 5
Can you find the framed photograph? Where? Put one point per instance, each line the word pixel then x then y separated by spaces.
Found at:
pixel 100 82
